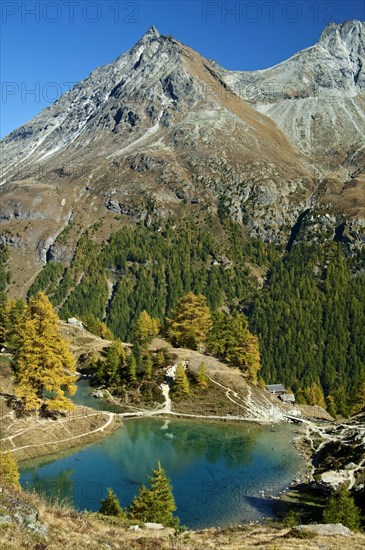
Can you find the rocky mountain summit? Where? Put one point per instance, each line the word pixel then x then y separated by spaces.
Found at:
pixel 316 97
pixel 162 130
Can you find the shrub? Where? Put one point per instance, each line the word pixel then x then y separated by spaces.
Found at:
pixel 9 474
pixel 341 508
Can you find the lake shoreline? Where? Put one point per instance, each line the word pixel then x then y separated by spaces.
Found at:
pixel 30 437
pixel 44 448
pixel 225 461
pixel 83 426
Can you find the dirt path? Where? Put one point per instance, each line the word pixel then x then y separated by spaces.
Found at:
pixel 255 407
pixel 213 417
pixel 167 408
pixel 230 391
pixel 166 393
pixel 100 429
pixel 257 414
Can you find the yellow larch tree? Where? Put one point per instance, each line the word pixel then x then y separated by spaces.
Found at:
pixel 251 360
pixel 202 377
pixel 9 473
pixel 191 321
pixel 146 327
pixel 181 387
pixel 44 365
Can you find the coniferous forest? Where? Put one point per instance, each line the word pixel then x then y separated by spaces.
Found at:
pixel 305 303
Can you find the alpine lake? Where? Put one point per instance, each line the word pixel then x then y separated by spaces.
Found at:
pixel 222 473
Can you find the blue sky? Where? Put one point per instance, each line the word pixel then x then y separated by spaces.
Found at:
pixel 47 46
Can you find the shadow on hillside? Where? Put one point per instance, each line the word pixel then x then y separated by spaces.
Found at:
pixel 304 501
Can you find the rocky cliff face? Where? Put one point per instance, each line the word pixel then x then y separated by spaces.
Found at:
pixel 317 96
pixel 317 99
pixel 339 457
pixel 162 130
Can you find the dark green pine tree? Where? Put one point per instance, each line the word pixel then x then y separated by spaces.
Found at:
pixel 214 290
pixel 4 274
pixel 147 366
pixel 181 387
pixel 156 504
pixel 140 509
pixel 12 317
pixel 131 368
pixel 119 317
pixel 160 291
pixel 110 505
pixel 341 508
pixel 164 502
pixel 115 362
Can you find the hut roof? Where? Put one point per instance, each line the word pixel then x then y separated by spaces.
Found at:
pixel 275 388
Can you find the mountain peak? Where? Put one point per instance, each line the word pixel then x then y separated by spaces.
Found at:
pixel 345 32
pixel 151 34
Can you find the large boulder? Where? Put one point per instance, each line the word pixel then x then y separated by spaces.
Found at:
pixel 326 529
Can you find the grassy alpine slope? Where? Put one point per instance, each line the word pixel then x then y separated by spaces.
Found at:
pixel 304 303
pixel 66 529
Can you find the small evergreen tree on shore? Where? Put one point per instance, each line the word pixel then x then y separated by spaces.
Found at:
pixel 110 505
pixel 359 398
pixel 141 506
pixel 331 406
pixel 156 504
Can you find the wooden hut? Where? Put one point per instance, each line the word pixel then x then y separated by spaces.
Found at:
pixel 276 389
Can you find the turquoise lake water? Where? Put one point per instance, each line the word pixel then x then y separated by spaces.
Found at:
pixel 218 470
pixel 83 397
